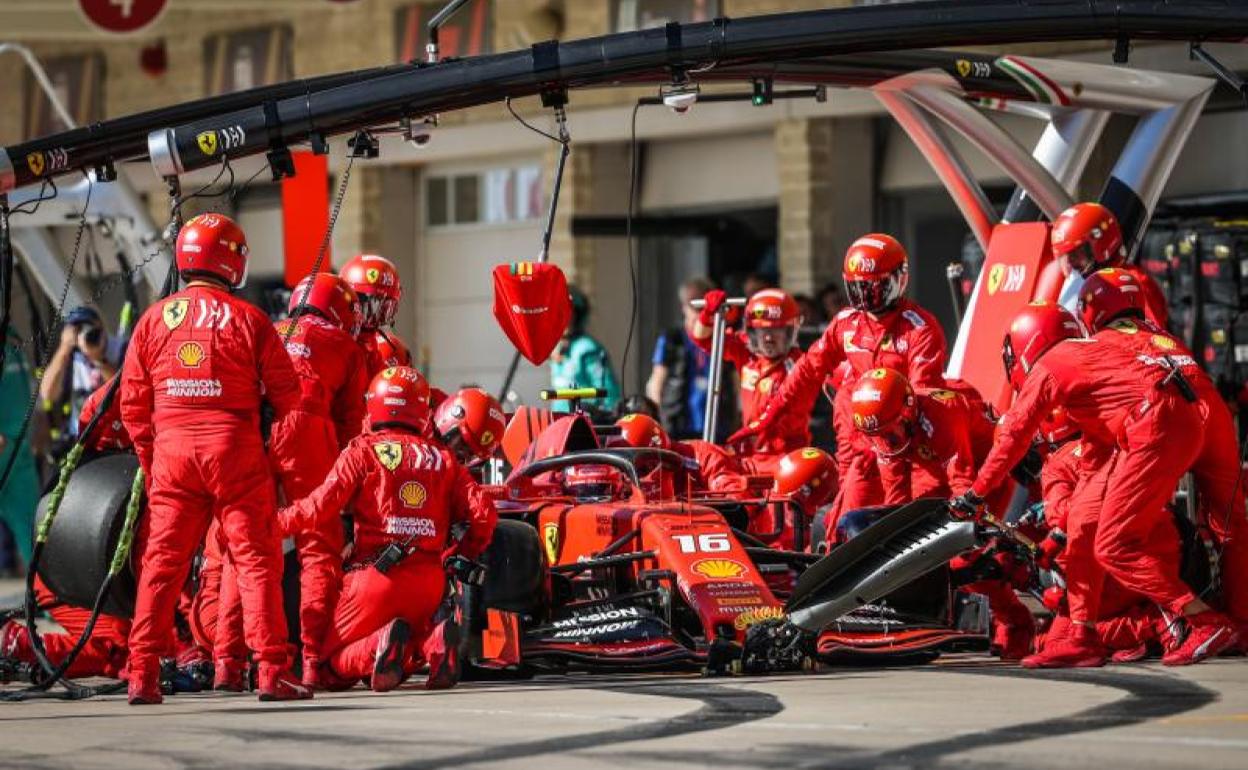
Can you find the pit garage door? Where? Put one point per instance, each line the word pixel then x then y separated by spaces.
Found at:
pixel 474 217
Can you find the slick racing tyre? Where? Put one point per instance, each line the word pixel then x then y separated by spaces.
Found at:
pixel 513 561
pixel 85 532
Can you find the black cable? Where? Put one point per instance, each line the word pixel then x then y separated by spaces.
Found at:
pixel 7 260
pixel 34 204
pixel 57 319
pixel 530 126
pixel 628 235
pixel 339 197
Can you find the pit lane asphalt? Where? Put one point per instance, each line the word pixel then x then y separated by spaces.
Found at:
pixel 963 711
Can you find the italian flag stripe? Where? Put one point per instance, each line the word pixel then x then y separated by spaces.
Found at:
pixel 1041 88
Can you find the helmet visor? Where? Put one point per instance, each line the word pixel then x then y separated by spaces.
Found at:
pixel 892 439
pixel 772 342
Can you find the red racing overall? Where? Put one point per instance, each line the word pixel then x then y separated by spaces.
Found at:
pixel 198 365
pixel 1115 400
pixel 398 485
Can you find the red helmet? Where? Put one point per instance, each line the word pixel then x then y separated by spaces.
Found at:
pixel 771 321
pixel 471 424
pixel 876 271
pixel 1108 294
pixel 391 349
pixel 807 476
pixel 642 431
pixel 593 482
pixel 398 396
pixel 376 280
pixel 213 245
pixel 1035 329
pixel 1057 427
pixel 882 403
pixel 1085 237
pixel 331 298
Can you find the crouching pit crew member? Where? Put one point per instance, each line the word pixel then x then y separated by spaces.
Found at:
pixel 406 493
pixel 923 442
pixel 199 364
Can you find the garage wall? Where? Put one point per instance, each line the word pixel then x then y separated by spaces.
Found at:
pixel 456 334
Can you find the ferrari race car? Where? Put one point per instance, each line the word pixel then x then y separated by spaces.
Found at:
pixel 595 564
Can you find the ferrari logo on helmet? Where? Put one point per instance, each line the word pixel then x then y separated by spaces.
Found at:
pixel 207 141
pixel 810 453
pixel 878 374
pixel 174 313
pixel 550 536
pixel 191 354
pixel 487 438
pixel 943 396
pixel 36 162
pixel 412 494
pixel 372 274
pixel 719 568
pixel 390 453
pixel 994 278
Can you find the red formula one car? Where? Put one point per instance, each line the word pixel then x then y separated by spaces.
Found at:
pixel 598 564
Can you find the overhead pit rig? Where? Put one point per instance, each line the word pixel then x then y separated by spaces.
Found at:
pixel 928 92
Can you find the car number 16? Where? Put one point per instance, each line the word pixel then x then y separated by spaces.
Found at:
pixel 714 542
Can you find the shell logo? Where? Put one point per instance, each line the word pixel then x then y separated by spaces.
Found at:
pixel 756 615
pixel 191 354
pixel 413 494
pixel 719 568
pixel 1163 342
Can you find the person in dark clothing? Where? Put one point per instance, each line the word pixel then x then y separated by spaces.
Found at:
pixel 681 372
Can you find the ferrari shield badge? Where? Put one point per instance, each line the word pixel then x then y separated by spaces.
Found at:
pixel 532 306
pixel 550 536
pixel 389 453
pixel 174 313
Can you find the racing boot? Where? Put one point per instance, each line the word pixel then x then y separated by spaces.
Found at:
pixel 143 688
pixel 1012 642
pixel 1068 645
pixel 277 683
pixel 1208 633
pixel 390 656
pixel 230 675
pixel 1131 654
pixel 311 674
pixel 441 649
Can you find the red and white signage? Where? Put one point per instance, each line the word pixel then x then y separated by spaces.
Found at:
pixel 122 16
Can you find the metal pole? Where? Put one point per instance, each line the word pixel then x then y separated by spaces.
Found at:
pixel 953 272
pixel 716 377
pixel 42 78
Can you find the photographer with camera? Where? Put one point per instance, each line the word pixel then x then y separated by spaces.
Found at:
pixel 85 359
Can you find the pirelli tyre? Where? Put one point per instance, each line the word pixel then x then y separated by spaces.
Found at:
pixel 514 572
pixel 84 534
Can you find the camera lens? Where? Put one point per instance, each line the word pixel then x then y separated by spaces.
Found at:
pixel 93 335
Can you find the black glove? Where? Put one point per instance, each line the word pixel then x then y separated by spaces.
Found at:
pixel 966 506
pixel 465 570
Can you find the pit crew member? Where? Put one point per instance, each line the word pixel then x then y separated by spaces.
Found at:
pixel 199 363
pixel 1135 407
pixel 406 494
